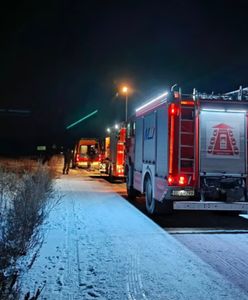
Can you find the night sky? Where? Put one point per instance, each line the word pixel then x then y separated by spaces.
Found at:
pixel 64 59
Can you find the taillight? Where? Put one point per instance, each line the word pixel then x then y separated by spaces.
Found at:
pixel 170 180
pixel 119 168
pixel 181 180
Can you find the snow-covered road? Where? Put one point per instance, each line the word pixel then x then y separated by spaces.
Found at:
pixel 98 246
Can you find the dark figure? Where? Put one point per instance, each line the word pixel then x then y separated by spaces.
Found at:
pixel 67 161
pixel 46 158
pixel 92 152
pixel 92 155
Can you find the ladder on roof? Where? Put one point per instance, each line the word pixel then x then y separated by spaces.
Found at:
pixel 238 95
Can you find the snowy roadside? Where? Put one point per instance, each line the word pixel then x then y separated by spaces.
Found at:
pixel 98 246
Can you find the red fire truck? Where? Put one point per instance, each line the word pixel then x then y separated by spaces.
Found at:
pixel 114 152
pixel 190 152
pixel 87 153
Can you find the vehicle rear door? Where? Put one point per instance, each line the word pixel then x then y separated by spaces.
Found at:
pixel 222 142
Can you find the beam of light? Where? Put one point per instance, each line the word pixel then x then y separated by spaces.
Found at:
pixel 82 119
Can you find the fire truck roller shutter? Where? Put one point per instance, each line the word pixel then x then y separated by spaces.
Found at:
pixel 149 138
pixel 138 160
pixel 113 144
pixel 222 142
pixel 162 142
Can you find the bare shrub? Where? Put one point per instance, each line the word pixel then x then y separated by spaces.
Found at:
pixel 26 197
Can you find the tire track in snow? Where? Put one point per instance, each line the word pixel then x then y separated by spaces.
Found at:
pixel 102 265
pixel 86 271
pixel 135 290
pixel 58 283
pixel 71 259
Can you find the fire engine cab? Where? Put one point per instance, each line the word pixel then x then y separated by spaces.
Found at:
pixel 189 151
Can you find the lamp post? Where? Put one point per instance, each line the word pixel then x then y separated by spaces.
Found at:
pixel 125 92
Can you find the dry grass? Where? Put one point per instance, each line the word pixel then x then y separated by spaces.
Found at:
pixel 26 197
pixel 55 165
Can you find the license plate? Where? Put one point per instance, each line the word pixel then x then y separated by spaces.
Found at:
pixel 183 193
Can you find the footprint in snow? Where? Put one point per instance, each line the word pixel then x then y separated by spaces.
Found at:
pixel 59 282
pixel 90 286
pixel 93 294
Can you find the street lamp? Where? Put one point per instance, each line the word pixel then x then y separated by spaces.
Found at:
pixel 125 92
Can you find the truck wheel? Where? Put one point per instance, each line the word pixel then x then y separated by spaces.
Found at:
pixel 150 201
pixel 131 192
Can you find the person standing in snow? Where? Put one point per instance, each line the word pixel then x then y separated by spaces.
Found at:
pixel 67 161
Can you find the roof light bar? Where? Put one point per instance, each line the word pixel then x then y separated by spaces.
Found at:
pixel 153 100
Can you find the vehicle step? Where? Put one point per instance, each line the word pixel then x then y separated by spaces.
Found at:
pixel 210 205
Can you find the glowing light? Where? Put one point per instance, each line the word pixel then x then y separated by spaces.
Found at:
pixel 116 126
pixel 82 119
pixel 125 89
pixel 108 130
pixel 176 94
pixel 170 180
pixel 173 110
pixel 223 110
pixel 153 100
pixel 213 109
pixel 187 102
pixel 182 180
pixel 171 141
pixel 177 180
pixel 236 111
